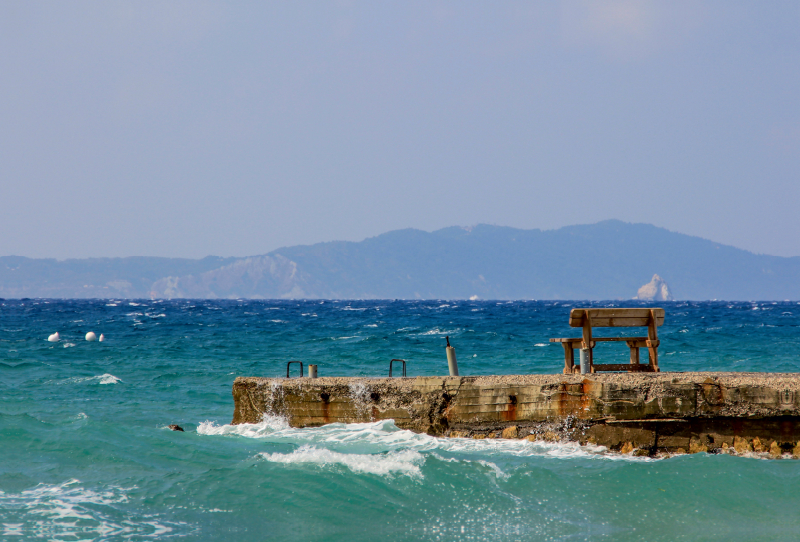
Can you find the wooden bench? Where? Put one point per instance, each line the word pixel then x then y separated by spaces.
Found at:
pixel 592 318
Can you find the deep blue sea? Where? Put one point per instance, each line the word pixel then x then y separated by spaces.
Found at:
pixel 85 452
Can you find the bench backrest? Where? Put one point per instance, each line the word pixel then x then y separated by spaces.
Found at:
pixel 615 317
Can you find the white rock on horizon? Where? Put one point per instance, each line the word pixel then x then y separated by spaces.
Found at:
pixel 655 290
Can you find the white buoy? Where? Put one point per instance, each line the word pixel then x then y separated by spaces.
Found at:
pixel 91 336
pixel 54 338
pixel 102 338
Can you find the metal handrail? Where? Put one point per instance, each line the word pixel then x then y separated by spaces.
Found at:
pixel 301 368
pixel 392 363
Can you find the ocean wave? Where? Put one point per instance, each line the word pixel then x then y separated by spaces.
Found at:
pixel 437 331
pixel 498 472
pixel 105 378
pixel 384 436
pixel 404 462
pixel 268 425
pixel 69 511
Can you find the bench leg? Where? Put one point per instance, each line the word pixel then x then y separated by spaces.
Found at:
pixel 653 350
pixel 569 358
pixel 634 355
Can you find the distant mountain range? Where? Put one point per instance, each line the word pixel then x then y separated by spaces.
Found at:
pixel 607 260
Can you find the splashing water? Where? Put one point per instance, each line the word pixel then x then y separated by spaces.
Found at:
pixel 86 452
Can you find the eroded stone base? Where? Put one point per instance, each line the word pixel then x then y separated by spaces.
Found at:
pixel 642 413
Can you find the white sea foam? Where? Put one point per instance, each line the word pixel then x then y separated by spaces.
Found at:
pixel 540 344
pixel 69 345
pixel 404 462
pixel 384 436
pixel 498 472
pixel 270 424
pixel 106 378
pixel 70 511
pixel 437 331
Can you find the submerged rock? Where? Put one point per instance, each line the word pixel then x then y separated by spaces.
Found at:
pixel 510 432
pixel 176 427
pixel 655 290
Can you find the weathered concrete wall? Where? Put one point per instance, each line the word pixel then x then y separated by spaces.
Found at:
pixel 650 412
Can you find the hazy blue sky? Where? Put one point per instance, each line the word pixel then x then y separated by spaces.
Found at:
pixel 194 128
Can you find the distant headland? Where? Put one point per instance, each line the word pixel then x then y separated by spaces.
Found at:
pixel 607 260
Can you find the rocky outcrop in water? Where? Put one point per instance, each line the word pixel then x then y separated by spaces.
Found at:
pixel 655 290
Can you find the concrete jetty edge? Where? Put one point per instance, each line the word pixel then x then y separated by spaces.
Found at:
pixel 644 414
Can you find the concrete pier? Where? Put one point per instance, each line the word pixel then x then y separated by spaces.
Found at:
pixel 641 413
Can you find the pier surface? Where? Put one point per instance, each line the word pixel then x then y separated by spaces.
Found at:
pixel 646 413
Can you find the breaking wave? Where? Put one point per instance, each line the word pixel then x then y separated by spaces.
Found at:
pixel 405 462
pixel 382 448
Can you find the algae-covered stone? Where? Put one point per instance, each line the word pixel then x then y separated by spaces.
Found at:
pixel 796 451
pixel 510 432
pixel 626 448
pixel 479 437
pixel 757 445
pixel 775 450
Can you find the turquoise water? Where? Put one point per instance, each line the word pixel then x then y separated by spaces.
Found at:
pixel 85 452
